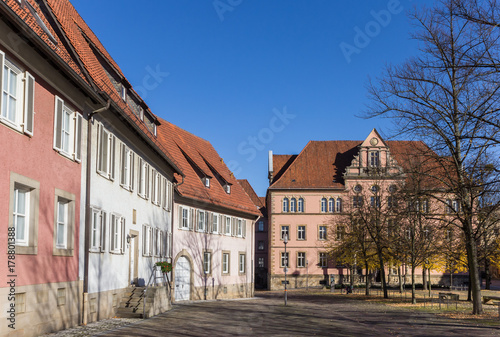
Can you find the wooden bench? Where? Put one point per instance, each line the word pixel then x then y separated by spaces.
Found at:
pixel 451 296
pixel 488 298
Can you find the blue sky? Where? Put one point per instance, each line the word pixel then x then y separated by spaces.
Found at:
pixel 256 75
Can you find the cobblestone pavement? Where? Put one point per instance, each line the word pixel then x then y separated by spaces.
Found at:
pixel 96 328
pixel 306 315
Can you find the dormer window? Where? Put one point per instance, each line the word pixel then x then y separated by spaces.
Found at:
pixel 374 159
pixel 123 93
pixel 154 129
pixel 227 188
pixel 141 114
pixel 206 181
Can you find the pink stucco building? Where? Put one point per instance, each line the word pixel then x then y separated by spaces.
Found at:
pixel 311 193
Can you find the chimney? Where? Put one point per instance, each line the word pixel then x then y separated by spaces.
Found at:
pixel 270 169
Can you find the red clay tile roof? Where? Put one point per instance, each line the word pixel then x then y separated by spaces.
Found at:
pixel 321 164
pixel 251 192
pixel 186 147
pixel 58 49
pixel 79 34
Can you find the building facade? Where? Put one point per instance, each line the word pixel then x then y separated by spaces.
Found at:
pixel 311 195
pixel 261 236
pixel 213 240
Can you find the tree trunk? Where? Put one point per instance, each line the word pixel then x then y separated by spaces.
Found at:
pixel 469 288
pixel 382 274
pixel 474 282
pixel 424 279
pixel 400 280
pixel 487 275
pixel 413 299
pixel 367 281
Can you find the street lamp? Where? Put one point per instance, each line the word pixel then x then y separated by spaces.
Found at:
pixel 285 241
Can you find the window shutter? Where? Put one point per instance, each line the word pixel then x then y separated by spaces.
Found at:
pixel 144 240
pixel 132 171
pixel 169 245
pixel 146 181
pixel 29 103
pixel 123 163
pixel 2 61
pixel 151 241
pixel 191 219
pixel 78 137
pixel 209 221
pixel 222 225
pixel 112 157
pixel 123 235
pixel 244 229
pixel 139 180
pixel 179 225
pixel 99 147
pixel 58 123
pixel 233 226
pixel 112 232
pixel 103 231
pixel 170 192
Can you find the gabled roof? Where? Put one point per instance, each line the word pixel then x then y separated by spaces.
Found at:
pixel 251 193
pixel 70 39
pixel 192 153
pixel 39 26
pixel 321 164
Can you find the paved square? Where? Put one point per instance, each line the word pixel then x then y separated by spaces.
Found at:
pixel 306 315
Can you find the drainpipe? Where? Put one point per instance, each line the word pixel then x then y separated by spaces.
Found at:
pixel 88 214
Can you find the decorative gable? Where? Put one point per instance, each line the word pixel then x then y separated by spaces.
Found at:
pixel 373 159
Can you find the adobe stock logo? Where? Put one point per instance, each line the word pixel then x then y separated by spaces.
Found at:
pixel 223 6
pixel 363 37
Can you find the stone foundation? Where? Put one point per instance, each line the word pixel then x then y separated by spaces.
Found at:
pixel 223 291
pixel 103 305
pixel 296 282
pixel 41 308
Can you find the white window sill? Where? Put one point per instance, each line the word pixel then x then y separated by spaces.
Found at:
pixel 12 125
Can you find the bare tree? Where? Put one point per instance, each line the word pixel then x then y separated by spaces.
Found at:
pixel 352 246
pixel 446 97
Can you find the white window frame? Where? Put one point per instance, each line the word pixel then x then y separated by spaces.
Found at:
pixel 105 152
pixel 69 146
pixel 117 234
pixel 374 158
pixel 227 227
pixel 285 260
pixel 301 232
pixel 338 205
pixel 201 221
pixel 324 205
pixel 226 259
pixel 242 262
pixel 147 242
pixel 23 119
pixel 143 179
pixel 215 223
pixel 285 229
pixel 286 205
pixel 239 232
pixel 323 260
pixel 155 188
pixel 300 205
pixel 127 167
pixel 331 205
pixel 185 213
pixel 301 259
pixel 25 216
pixel 62 224
pixel 207 262
pixel 322 232
pixel 293 205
